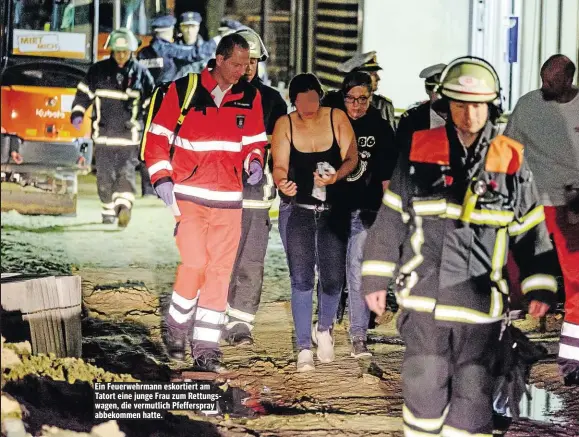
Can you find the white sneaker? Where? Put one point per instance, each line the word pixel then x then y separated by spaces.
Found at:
pixel 305 361
pixel 325 344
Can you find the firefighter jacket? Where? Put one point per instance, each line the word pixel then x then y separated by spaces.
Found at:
pixel 207 155
pixel 447 222
pixel 119 97
pixel 261 195
pixel 160 58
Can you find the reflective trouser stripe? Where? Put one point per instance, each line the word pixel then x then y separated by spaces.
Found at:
pixel 430 425
pixel 211 335
pixel 449 431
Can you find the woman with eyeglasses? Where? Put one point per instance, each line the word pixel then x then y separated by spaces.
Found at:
pixel 314 149
pixel 363 189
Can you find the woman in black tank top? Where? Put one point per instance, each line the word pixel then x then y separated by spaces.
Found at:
pixel 316 232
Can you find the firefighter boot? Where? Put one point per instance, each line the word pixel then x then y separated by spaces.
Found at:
pixel 238 335
pixel 109 219
pixel 124 215
pixel 206 359
pixel 175 339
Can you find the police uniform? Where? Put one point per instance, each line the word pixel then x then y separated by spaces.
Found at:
pixel 160 56
pixel 205 49
pixel 367 62
pixel 247 276
pixel 118 96
pixel 422 116
pixel 444 230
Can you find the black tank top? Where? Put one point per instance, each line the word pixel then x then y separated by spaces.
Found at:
pixel 303 164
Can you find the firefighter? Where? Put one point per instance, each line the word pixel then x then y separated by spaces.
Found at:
pixel 162 55
pixel 197 171
pixel 119 89
pixel 423 116
pixel 548 120
pixel 455 205
pixel 189 23
pixel 247 277
pixel 367 62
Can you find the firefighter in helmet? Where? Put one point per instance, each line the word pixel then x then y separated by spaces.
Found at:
pixel 457 203
pixel 119 90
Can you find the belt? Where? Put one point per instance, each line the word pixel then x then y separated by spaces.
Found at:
pixel 317 208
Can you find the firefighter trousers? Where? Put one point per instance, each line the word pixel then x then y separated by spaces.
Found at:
pixel 116 185
pixel 447 377
pixel 247 276
pixel 566 237
pixel 207 239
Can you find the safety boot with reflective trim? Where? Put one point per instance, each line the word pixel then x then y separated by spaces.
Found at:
pixel 175 340
pixel 207 359
pixel 238 335
pixel 109 219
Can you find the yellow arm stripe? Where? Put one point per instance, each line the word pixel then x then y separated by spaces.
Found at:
pixel 539 282
pixel 378 268
pixel 527 222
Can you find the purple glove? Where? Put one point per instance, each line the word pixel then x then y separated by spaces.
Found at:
pixel 165 191
pixel 255 172
pixel 76 121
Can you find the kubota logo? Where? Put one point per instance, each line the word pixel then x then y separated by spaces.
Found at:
pixel 47 113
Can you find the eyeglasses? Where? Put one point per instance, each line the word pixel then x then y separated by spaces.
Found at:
pixel 362 100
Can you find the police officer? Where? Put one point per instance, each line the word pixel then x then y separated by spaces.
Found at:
pixel 189 23
pixel 247 275
pixel 368 62
pixel 119 90
pixel 424 115
pixel 456 203
pixel 161 55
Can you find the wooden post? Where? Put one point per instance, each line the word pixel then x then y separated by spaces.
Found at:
pixel 52 307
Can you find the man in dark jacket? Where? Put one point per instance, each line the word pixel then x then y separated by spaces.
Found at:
pixel 456 203
pixel 423 116
pixel 119 89
pixel 247 276
pixel 189 24
pixel 368 63
pixel 162 55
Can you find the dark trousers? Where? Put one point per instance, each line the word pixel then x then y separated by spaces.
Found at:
pixel 116 185
pixel 315 239
pixel 247 275
pixel 146 186
pixel 446 375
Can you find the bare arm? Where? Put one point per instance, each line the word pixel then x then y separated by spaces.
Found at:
pixel 280 152
pixel 348 149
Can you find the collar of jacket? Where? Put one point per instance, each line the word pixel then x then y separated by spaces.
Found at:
pixel 209 83
pixel 125 67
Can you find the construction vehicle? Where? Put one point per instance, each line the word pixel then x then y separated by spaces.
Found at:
pixel 46 48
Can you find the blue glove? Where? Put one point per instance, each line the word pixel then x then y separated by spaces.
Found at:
pixel 76 121
pixel 255 172
pixel 165 191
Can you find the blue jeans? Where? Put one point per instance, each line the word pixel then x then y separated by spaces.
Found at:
pixel 358 310
pixel 284 214
pixel 315 239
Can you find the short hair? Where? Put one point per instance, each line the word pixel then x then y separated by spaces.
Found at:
pixel 227 45
pixel 356 78
pixel 302 83
pixel 569 66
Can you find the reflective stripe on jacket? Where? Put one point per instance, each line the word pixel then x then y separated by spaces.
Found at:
pixel 213 145
pixel 446 225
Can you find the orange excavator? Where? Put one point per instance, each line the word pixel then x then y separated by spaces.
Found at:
pixel 46 47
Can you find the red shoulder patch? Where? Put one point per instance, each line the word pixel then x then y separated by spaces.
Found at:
pixel 430 146
pixel 505 155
